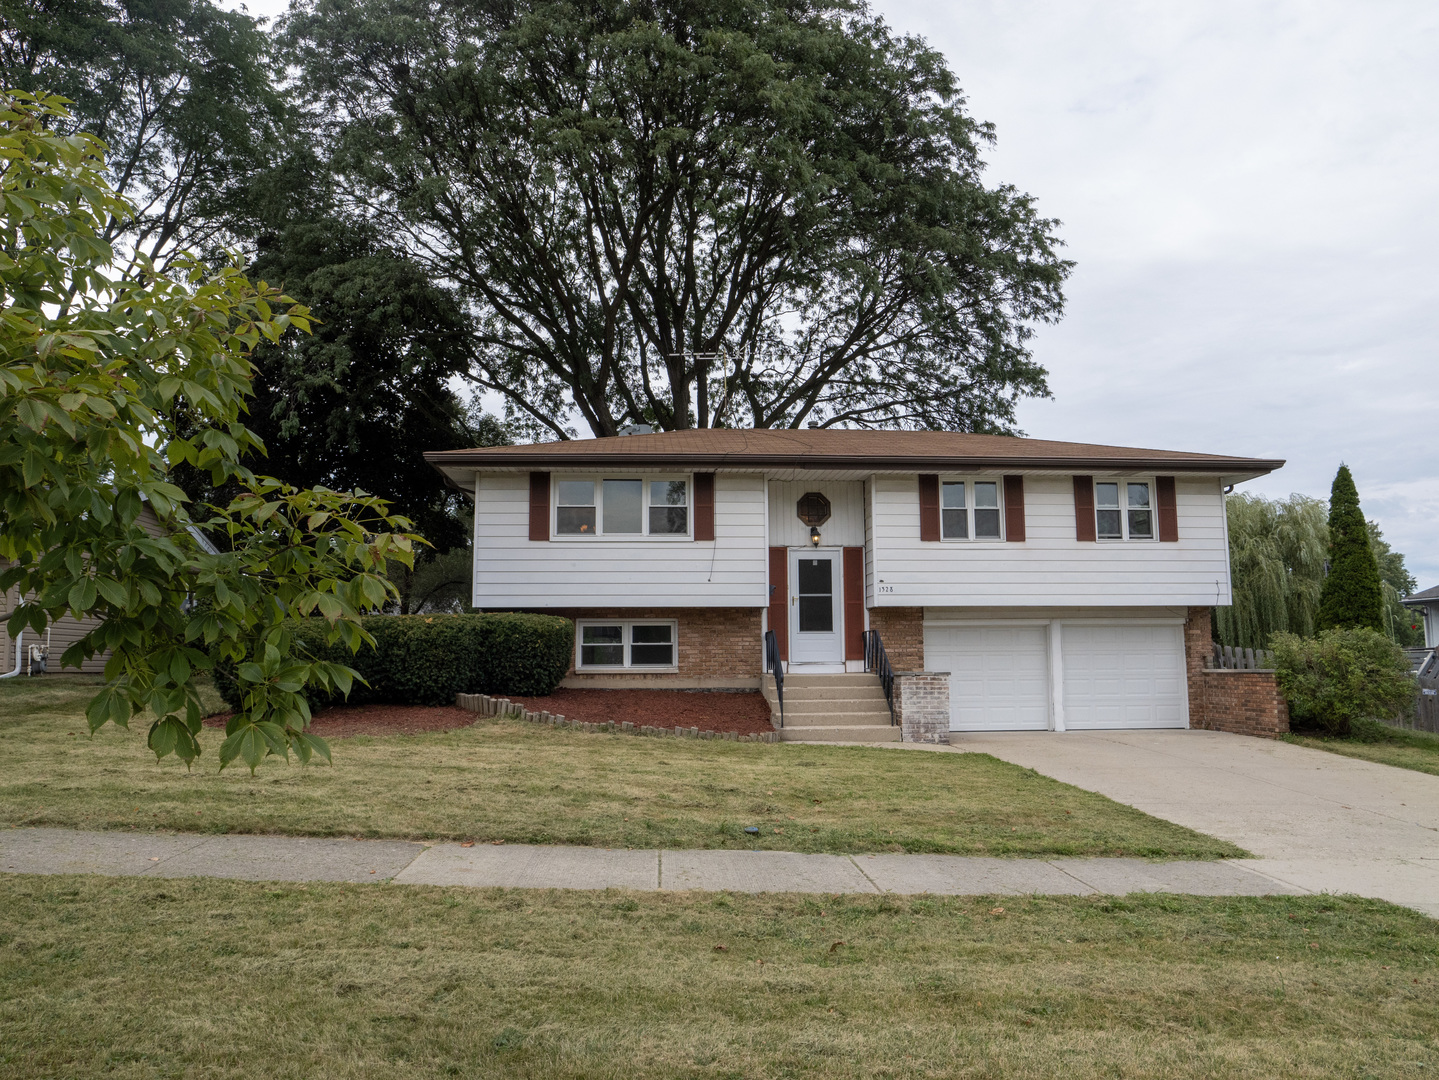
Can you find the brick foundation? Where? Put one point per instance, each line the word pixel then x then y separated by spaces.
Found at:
pixel 1242 702
pixel 902 631
pixel 921 705
pixel 718 647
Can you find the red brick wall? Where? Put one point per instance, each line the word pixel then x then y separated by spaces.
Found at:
pixel 714 643
pixel 1242 702
pixel 902 631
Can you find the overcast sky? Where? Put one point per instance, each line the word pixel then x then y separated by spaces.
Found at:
pixel 1248 190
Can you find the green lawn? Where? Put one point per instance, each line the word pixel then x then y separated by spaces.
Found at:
pixel 1417 750
pixel 128 978
pixel 504 780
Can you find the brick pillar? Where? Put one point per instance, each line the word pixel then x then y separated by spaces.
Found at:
pixel 921 705
pixel 1198 647
pixel 902 631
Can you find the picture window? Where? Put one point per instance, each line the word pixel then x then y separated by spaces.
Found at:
pixel 623 506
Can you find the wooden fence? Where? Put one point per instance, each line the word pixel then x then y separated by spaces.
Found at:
pixel 1228 658
pixel 1426 711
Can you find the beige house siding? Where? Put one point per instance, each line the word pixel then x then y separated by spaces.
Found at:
pixel 66 630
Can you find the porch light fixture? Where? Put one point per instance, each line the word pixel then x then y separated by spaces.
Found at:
pixel 814 535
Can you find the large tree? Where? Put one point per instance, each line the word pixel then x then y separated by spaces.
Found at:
pixel 355 403
pixel 182 93
pixel 735 212
pixel 1352 595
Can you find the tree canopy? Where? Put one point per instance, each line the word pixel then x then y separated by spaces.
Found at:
pixel 1277 554
pixel 182 93
pixel 1352 595
pixel 94 370
pixel 745 212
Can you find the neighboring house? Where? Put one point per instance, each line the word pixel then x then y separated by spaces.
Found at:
pixel 1060 584
pixel 67 630
pixel 1427 604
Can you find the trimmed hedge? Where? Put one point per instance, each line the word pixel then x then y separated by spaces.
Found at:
pixel 428 659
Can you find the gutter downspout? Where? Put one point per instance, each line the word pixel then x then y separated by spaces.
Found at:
pixel 19 657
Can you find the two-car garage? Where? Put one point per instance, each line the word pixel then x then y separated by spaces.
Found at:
pixel 1111 673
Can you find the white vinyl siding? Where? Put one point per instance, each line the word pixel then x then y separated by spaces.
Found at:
pixel 1051 567
pixel 511 571
pixel 1124 676
pixel 845 527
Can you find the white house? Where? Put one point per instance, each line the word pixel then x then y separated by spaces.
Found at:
pixel 1055 582
pixel 1427 604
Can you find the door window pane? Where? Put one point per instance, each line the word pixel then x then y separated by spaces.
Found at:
pixel 669 509
pixel 575 510
pixel 652 644
pixel 1141 516
pixel 623 507
pixel 986 510
pixel 816 596
pixel 602 645
pixel 816 614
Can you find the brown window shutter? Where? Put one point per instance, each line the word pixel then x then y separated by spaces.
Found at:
pixel 928 507
pixel 1084 509
pixel 1168 508
pixel 1014 509
pixel 779 598
pixel 539 506
pixel 704 506
pixel 854 603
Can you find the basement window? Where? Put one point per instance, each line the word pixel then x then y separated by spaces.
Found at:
pixel 621 644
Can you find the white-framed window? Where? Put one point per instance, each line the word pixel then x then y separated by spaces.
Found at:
pixel 626 643
pixel 970 510
pixel 623 506
pixel 1124 510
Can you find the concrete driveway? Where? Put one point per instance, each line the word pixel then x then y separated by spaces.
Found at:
pixel 1316 821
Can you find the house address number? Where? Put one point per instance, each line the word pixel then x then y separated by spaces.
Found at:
pixel 886 588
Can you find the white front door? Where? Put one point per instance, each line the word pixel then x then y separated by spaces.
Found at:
pixel 816 606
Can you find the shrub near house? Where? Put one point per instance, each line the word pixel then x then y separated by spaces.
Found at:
pixel 428 659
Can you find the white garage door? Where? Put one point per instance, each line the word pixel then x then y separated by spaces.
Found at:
pixel 1124 676
pixel 999 676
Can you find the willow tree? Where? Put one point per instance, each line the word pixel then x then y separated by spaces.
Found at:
pixel 732 213
pixel 1277 549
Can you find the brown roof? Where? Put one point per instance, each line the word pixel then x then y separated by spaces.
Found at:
pixel 835 448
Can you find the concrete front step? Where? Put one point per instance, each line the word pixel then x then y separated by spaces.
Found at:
pixel 864 733
pixel 851 678
pixel 829 693
pixel 833 719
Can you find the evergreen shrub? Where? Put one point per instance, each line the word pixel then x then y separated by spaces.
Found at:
pixel 428 659
pixel 1341 678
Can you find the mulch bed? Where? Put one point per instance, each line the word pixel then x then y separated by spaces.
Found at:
pixel 708 710
pixel 743 713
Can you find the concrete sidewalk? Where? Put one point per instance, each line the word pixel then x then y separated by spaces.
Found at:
pixel 1319 822
pixel 281 858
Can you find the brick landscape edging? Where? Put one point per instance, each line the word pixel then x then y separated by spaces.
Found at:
pixel 504 707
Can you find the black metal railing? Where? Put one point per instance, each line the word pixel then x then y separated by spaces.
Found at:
pixel 776 668
pixel 877 661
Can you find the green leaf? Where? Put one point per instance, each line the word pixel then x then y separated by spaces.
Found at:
pixel 113 592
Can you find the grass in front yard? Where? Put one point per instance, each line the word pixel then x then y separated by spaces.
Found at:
pixel 1373 741
pixel 138 978
pixel 504 780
